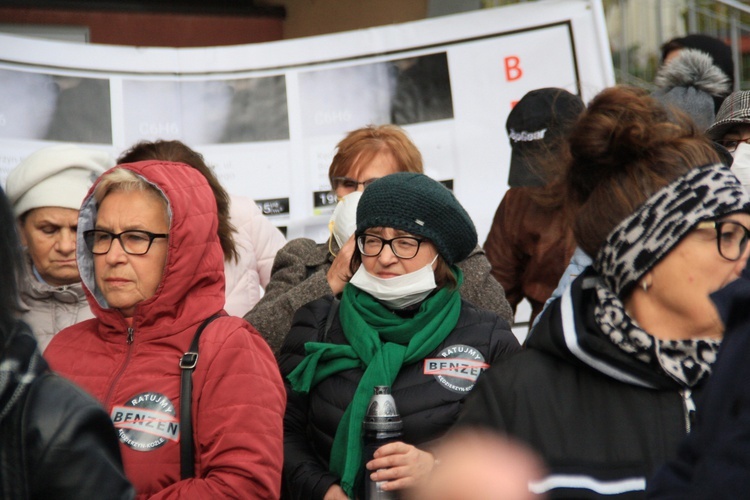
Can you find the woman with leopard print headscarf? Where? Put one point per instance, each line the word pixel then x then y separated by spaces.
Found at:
pixel 605 389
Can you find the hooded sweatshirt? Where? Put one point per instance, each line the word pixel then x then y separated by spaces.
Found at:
pixel 132 367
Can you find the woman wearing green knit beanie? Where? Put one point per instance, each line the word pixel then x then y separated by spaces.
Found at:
pixel 400 322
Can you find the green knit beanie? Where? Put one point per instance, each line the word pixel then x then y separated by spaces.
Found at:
pixel 421 206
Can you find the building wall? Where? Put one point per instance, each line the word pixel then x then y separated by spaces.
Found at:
pixel 304 18
pixel 154 29
pixel 318 17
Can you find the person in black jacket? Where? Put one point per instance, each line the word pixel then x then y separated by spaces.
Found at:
pixel 605 389
pixel 400 322
pixel 714 460
pixel 55 440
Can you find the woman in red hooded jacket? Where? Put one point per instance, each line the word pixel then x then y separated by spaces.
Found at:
pixel 150 290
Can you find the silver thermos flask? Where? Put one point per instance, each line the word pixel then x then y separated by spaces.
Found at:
pixel 382 425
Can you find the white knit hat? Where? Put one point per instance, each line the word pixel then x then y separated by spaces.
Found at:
pixel 58 176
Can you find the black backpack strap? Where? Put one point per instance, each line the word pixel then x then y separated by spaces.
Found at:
pixel 187 365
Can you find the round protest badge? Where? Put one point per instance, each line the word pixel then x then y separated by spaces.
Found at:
pixel 146 422
pixel 456 367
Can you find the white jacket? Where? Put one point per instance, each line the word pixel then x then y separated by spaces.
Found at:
pixel 48 309
pixel 257 241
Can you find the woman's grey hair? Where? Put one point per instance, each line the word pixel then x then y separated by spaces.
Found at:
pixel 124 180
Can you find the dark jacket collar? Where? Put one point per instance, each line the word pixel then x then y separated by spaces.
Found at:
pixel 568 330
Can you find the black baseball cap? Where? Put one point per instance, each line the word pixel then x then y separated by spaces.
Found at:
pixel 534 125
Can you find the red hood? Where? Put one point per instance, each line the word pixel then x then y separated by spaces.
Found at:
pixel 192 286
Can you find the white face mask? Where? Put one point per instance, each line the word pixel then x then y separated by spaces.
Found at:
pixel 343 221
pixel 399 292
pixel 741 164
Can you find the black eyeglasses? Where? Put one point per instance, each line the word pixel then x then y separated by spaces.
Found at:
pixel 350 184
pixel 132 242
pixel 732 144
pixel 731 237
pixel 403 247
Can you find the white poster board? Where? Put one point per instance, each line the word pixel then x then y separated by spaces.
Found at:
pixel 268 116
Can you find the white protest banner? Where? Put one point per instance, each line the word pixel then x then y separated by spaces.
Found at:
pixel 268 116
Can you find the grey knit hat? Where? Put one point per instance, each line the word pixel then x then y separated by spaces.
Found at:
pixel 734 111
pixel 690 82
pixel 421 206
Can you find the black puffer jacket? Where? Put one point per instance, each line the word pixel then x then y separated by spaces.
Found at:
pixel 602 421
pixel 429 404
pixel 714 460
pixel 55 440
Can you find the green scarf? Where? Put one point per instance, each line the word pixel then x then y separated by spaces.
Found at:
pixel 380 343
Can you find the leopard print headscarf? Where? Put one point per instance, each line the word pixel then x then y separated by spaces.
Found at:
pixel 641 240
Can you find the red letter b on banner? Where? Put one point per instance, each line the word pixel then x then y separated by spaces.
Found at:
pixel 513 68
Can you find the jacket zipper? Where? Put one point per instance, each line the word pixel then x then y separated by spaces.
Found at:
pixel 131 335
pixel 689 407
